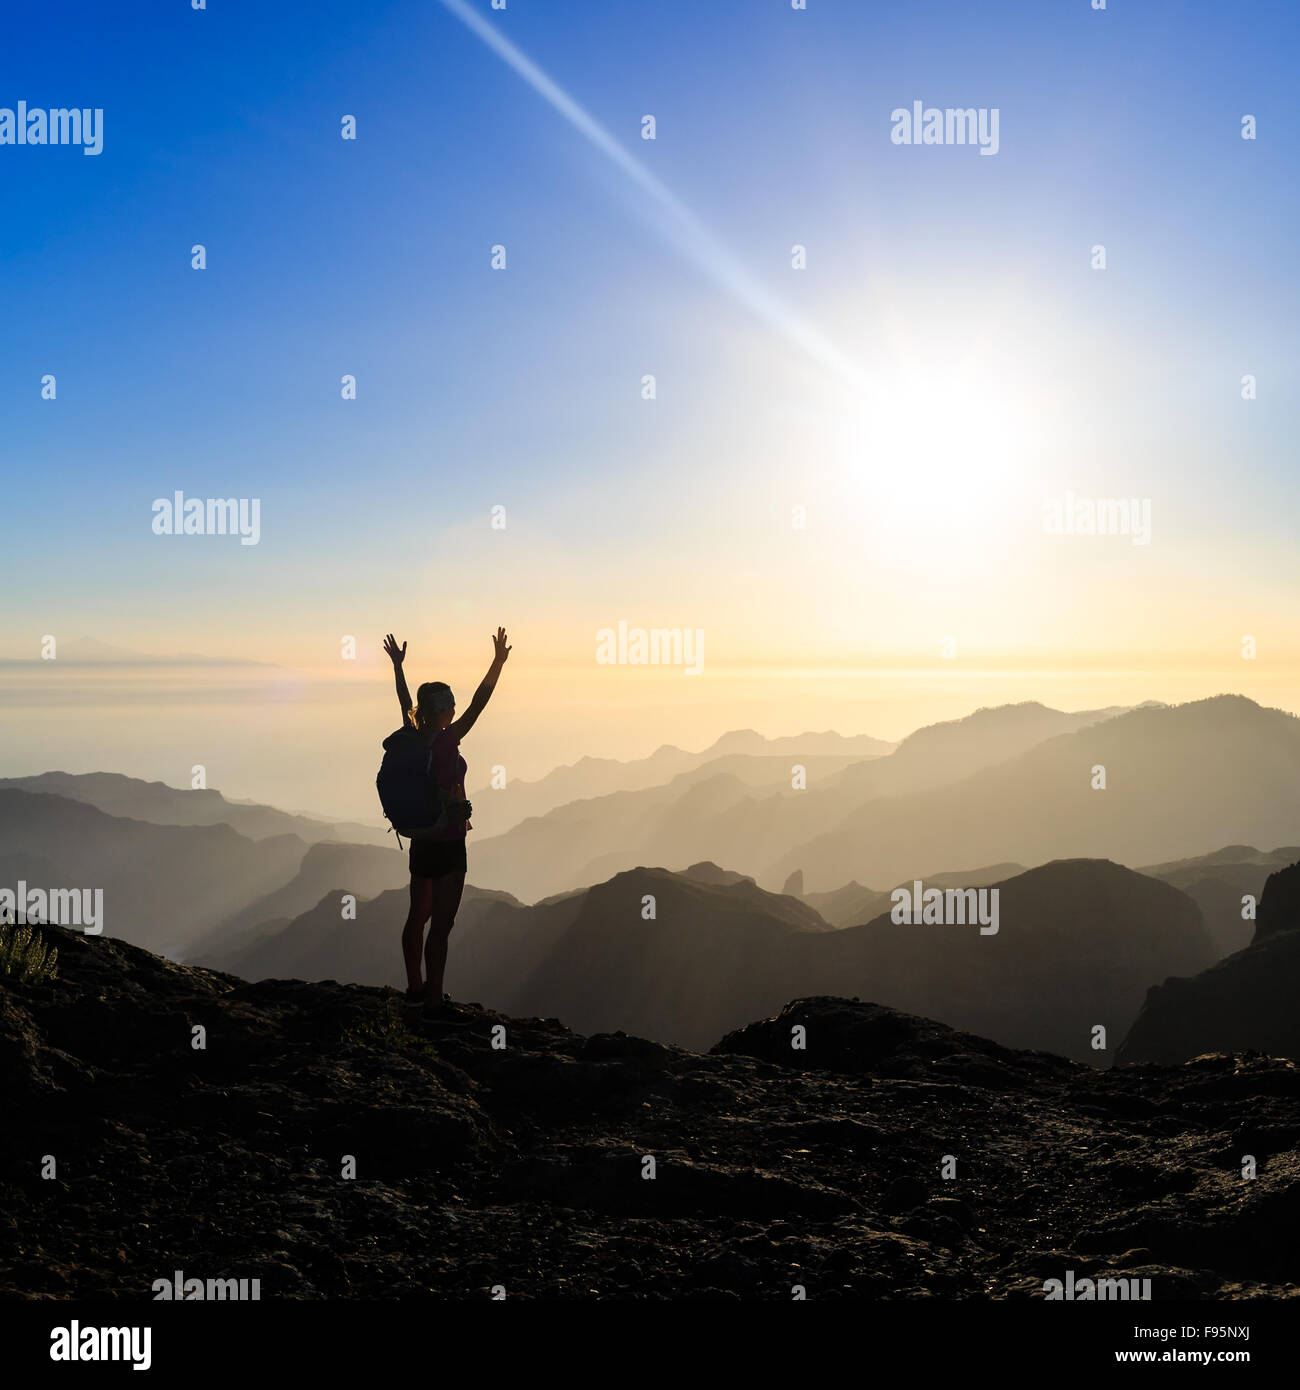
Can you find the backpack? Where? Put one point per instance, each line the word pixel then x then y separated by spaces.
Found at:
pixel 403 785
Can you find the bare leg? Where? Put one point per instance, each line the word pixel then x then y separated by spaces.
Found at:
pixel 446 902
pixel 413 931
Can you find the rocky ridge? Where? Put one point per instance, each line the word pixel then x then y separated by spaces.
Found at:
pixel 492 1150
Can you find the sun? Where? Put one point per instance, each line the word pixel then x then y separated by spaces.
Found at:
pixel 946 452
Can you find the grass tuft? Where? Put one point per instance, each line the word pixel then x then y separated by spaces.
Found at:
pixel 387 1031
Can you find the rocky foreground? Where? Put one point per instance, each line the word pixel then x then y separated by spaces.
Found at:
pixel 524 1164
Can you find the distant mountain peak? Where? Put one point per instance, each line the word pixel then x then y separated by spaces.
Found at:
pixel 740 738
pixel 706 871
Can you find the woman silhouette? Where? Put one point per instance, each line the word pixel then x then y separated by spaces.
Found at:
pixel 438 863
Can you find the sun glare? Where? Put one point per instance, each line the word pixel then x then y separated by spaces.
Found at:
pixel 932 469
pixel 953 445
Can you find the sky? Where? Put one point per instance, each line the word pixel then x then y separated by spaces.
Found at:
pixel 841 480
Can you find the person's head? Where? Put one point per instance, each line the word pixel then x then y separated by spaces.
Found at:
pixel 435 706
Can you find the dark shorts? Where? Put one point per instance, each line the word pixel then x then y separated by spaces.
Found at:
pixel 434 858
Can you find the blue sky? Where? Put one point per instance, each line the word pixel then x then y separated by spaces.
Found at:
pixel 521 388
pixel 325 256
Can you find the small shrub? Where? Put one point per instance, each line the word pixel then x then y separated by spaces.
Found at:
pixel 25 955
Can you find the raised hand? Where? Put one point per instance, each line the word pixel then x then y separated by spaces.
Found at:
pixel 398 654
pixel 500 650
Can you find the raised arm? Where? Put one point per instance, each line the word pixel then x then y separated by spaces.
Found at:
pixel 483 694
pixel 398 655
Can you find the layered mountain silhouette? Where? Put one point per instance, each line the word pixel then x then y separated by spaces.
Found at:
pixel 684 957
pixel 1011 785
pixel 718 814
pixel 164 885
pixel 751 759
pixel 164 805
pixel 1177 778
pixel 948 751
pixel 1246 1002
pixel 496 1150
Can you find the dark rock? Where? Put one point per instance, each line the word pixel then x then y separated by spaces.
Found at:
pixel 1279 904
pixel 954 1209
pixel 904 1194
pixel 528 1165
